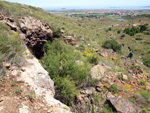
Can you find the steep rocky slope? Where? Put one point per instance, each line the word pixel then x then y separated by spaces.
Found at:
pixel 35 91
pixel 105 82
pixel 27 86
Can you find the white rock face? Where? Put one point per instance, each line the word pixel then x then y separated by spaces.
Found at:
pixel 24 109
pixel 35 76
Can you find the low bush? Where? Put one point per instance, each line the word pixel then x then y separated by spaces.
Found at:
pixel 147 33
pixel 145 94
pixel 18 91
pixel 62 62
pixel 118 31
pixel 132 99
pixel 146 61
pixel 112 44
pixel 142 83
pixel 120 77
pixel 123 35
pixel 138 39
pixel 113 88
pixel 66 88
pixel 56 32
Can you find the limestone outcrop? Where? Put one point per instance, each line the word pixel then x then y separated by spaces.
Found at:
pixel 36 33
pixel 33 31
pixel 37 79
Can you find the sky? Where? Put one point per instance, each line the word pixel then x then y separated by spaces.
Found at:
pixel 83 3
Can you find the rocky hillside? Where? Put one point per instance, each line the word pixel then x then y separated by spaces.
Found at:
pixel 25 85
pixel 46 56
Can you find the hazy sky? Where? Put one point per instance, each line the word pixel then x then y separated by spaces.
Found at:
pixel 83 3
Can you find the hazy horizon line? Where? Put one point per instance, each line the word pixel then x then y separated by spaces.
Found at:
pixel 100 7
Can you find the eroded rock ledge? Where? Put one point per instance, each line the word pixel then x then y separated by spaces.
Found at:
pixel 33 31
pixel 34 76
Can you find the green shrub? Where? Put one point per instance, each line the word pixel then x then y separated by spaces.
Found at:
pixel 1 83
pixel 143 27
pixel 120 77
pixel 147 33
pixel 145 94
pixel 12 83
pixel 56 32
pixel 66 89
pixel 133 30
pixel 142 83
pixel 93 81
pixel 61 61
pixel 138 39
pixel 113 88
pixel 18 91
pixel 112 44
pixel 123 35
pixel 132 99
pixel 134 67
pixel 118 31
pixel 109 29
pixel 146 61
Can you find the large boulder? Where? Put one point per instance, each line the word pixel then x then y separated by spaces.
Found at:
pixel 98 71
pixel 121 105
pixel 71 40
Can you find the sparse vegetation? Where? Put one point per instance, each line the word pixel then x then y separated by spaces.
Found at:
pixel 120 77
pixel 1 83
pixel 113 88
pixel 12 83
pixel 146 61
pixel 108 109
pixel 18 91
pixel 11 46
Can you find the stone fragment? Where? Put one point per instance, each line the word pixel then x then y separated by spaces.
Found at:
pixel 7 65
pixel 125 77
